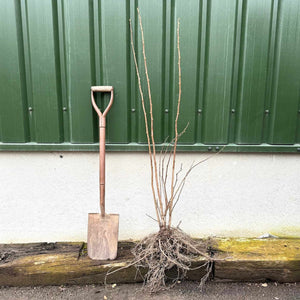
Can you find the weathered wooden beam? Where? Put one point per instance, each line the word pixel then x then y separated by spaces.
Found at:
pixel 67 263
pixel 258 260
pixel 58 264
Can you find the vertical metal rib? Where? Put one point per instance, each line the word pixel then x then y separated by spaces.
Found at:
pixel 271 76
pixel 204 63
pixel 22 70
pixel 63 77
pixel 27 60
pixel 238 47
pixel 58 73
pixel 200 69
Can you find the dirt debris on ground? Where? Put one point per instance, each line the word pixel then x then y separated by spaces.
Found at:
pixel 183 290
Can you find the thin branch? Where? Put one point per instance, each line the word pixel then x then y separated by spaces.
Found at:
pixel 178 197
pixel 176 177
pixel 165 174
pixel 161 174
pixel 146 124
pixel 176 122
pixel 165 148
pixel 180 187
pixel 151 218
pixel 151 116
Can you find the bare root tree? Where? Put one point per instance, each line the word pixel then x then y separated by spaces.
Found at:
pixel 164 200
pixel 169 247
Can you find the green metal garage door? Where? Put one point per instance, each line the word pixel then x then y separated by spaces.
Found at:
pixel 240 73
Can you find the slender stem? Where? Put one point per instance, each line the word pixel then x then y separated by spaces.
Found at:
pixel 158 214
pixel 182 183
pixel 176 122
pixel 151 116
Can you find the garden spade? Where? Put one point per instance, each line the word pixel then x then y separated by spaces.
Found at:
pixel 102 241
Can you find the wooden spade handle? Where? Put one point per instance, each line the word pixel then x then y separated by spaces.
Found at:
pixel 102 125
pixel 102 169
pixel 107 89
pixel 102 88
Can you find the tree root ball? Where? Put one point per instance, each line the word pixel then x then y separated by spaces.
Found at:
pixel 170 248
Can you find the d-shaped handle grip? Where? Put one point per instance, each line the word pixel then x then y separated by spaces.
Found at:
pixel 103 89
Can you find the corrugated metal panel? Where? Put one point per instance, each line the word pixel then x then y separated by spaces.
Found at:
pixel 240 73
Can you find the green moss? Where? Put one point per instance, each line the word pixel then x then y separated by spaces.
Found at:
pixel 287 232
pixel 267 249
pixel 236 259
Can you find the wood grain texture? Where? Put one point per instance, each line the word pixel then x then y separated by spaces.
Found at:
pixel 60 264
pixel 103 236
pixel 68 263
pixel 258 260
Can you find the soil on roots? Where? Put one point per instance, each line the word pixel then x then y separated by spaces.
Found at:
pixel 170 248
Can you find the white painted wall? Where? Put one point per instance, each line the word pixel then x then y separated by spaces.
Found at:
pixel 45 197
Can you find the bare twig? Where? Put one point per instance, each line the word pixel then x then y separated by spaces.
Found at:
pixel 151 118
pixel 146 124
pixel 151 218
pixel 165 173
pixel 161 174
pixel 182 183
pixel 176 122
pixel 176 177
pixel 169 247
pixel 166 146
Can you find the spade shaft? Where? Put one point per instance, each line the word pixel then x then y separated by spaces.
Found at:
pixel 102 228
pixel 102 126
pixel 102 170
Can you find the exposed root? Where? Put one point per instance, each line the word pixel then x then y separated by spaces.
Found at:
pixel 170 249
pixel 165 250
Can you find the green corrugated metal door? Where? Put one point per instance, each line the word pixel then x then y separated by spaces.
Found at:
pixel 240 73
